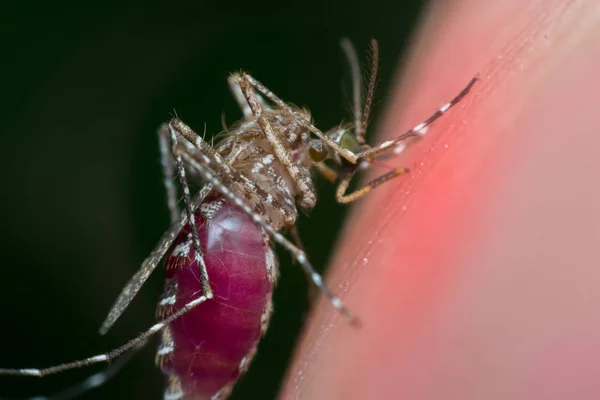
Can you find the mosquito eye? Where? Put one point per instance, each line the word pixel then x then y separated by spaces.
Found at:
pixel 349 142
pixel 317 151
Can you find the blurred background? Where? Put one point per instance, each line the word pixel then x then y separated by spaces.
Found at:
pixel 83 92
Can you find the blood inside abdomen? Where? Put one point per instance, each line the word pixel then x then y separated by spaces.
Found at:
pixel 211 341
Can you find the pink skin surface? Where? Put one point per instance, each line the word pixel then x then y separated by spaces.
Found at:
pixel 477 276
pixel 211 340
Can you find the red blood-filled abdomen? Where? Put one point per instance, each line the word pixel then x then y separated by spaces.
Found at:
pixel 204 351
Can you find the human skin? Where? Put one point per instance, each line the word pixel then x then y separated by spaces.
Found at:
pixel 476 276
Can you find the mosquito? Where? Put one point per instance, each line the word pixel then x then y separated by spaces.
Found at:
pixel 219 263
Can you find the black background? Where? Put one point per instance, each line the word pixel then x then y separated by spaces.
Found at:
pixel 83 91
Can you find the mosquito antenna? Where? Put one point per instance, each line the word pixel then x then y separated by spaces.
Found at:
pixel 352 58
pixel 370 91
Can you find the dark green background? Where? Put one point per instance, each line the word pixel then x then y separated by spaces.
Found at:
pixel 83 91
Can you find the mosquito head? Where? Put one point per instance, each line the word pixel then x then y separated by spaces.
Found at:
pixel 349 141
pixel 344 136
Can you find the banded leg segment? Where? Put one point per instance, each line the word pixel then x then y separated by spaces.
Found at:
pixel 202 164
pixel 370 153
pixel 111 355
pixel 374 152
pixel 342 197
pixel 174 128
pixel 93 381
pixel 134 284
pixel 236 91
pixel 347 154
pixel 166 161
pixel 227 172
pixel 204 282
pixel 303 181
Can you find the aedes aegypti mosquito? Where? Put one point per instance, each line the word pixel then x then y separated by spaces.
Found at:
pixel 220 267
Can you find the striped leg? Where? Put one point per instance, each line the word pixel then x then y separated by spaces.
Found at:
pixel 232 176
pixel 344 198
pixel 187 197
pixel 93 381
pixel 203 165
pixel 111 355
pixel 236 91
pixel 150 263
pixel 370 153
pixel 374 152
pixel 302 180
pixel 166 161
pixel 168 134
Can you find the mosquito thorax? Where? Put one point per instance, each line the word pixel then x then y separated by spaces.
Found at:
pixel 253 156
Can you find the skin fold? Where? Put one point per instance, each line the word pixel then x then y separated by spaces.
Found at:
pixel 476 276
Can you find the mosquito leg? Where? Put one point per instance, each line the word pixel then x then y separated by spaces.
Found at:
pixel 150 263
pixel 313 291
pixel 303 181
pixel 374 152
pixel 231 175
pixel 342 197
pixel 296 238
pixel 196 140
pixel 202 164
pixel 246 80
pixel 166 160
pixel 204 282
pixel 94 381
pixel 107 357
pixel 166 133
pixel 236 91
pixel 327 172
pixel 370 153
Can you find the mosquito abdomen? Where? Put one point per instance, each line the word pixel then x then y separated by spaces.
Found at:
pixel 204 351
